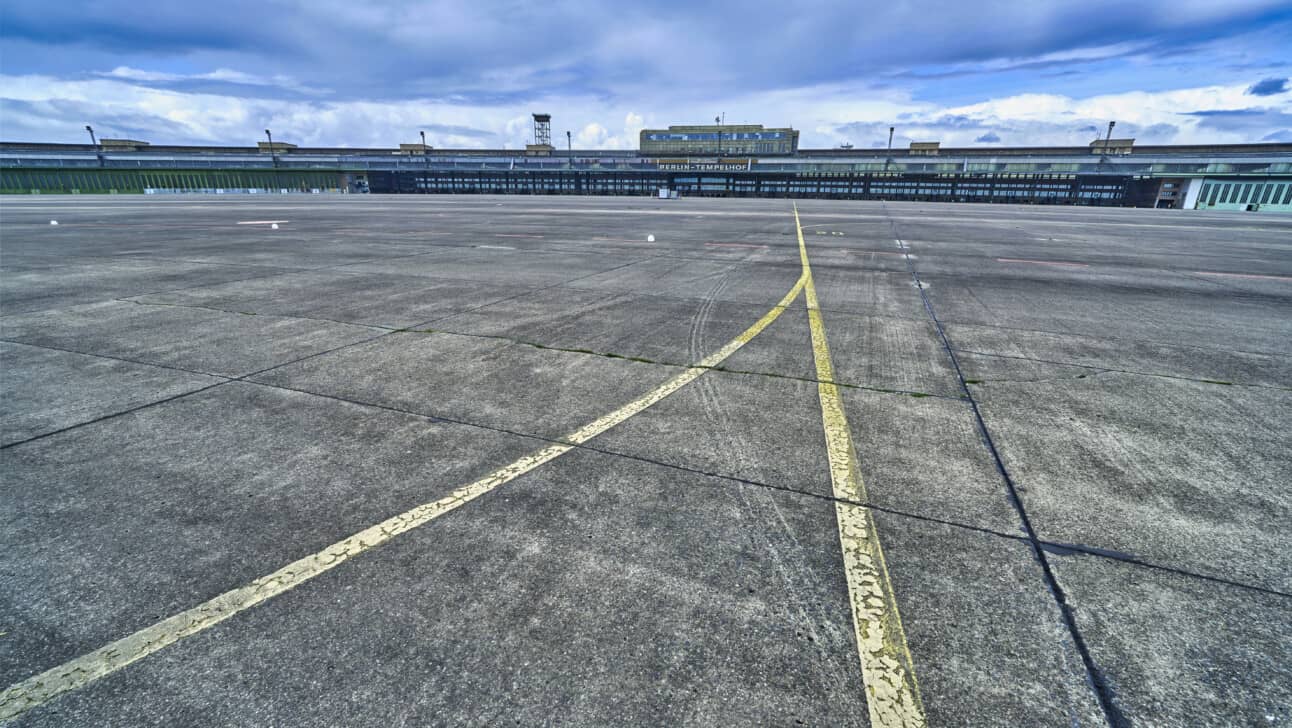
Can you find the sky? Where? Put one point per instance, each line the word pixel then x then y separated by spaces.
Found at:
pixel 470 72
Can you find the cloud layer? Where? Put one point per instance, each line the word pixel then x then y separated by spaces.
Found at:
pixel 469 73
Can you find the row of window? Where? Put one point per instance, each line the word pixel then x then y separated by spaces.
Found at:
pixel 106 180
pixel 646 187
pixel 1022 189
pixel 733 148
pixel 1249 193
pixel 712 136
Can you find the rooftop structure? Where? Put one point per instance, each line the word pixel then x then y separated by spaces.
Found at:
pixel 122 144
pixel 1112 146
pixel 719 139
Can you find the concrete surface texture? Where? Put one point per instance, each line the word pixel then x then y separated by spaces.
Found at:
pixel 502 461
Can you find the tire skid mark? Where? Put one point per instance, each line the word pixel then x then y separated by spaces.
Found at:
pixel 80 672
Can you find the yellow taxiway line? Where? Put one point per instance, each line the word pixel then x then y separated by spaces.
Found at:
pixel 892 693
pixel 887 670
pixel 78 673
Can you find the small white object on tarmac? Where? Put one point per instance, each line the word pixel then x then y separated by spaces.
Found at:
pixel 53 222
pixel 650 238
pixel 273 226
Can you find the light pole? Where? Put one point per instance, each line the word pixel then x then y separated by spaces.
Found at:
pixel 273 155
pixel 426 163
pixel 1105 158
pixel 888 160
pixel 718 120
pixel 98 153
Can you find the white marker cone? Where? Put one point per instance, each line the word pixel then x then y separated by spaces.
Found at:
pixel 273 226
pixel 650 238
pixel 53 222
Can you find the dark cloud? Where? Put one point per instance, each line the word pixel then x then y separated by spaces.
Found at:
pixel 1268 87
pixel 1227 113
pixel 689 49
pixel 990 137
pixel 1254 122
pixel 335 69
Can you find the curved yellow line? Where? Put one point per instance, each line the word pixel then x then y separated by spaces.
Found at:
pixel 76 674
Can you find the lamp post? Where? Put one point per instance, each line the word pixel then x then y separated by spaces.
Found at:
pixel 98 153
pixel 426 164
pixel 273 155
pixel 888 160
pixel 1105 158
pixel 718 120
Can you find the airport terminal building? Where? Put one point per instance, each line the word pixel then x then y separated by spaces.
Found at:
pixel 692 161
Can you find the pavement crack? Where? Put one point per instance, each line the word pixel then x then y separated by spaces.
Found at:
pixel 1063 549
pixel 254 313
pixel 1096 370
pixel 1114 339
pixel 1094 673
pixel 677 365
pixel 1087 375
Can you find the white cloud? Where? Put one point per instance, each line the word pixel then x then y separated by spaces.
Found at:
pixel 44 108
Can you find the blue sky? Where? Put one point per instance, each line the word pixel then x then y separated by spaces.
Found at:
pixel 468 73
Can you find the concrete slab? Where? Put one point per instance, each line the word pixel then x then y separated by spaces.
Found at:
pixel 499 261
pixel 665 330
pixel 614 586
pixel 719 280
pixel 865 292
pixel 490 382
pixel 200 340
pixel 1182 651
pixel 43 390
pixel 897 354
pixel 393 301
pixel 1179 473
pixel 987 641
pixel 37 289
pixel 116 525
pixel 471 619
pixel 763 429
pixel 1019 354
pixel 1254 324
pixel 924 456
pixel 528 605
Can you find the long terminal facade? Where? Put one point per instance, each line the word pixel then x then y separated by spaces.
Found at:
pixel 726 163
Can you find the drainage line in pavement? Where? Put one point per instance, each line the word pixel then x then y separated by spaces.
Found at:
pixel 1094 675
pixel 245 377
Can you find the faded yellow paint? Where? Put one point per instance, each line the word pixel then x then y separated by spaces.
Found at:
pixel 84 670
pixel 892 693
